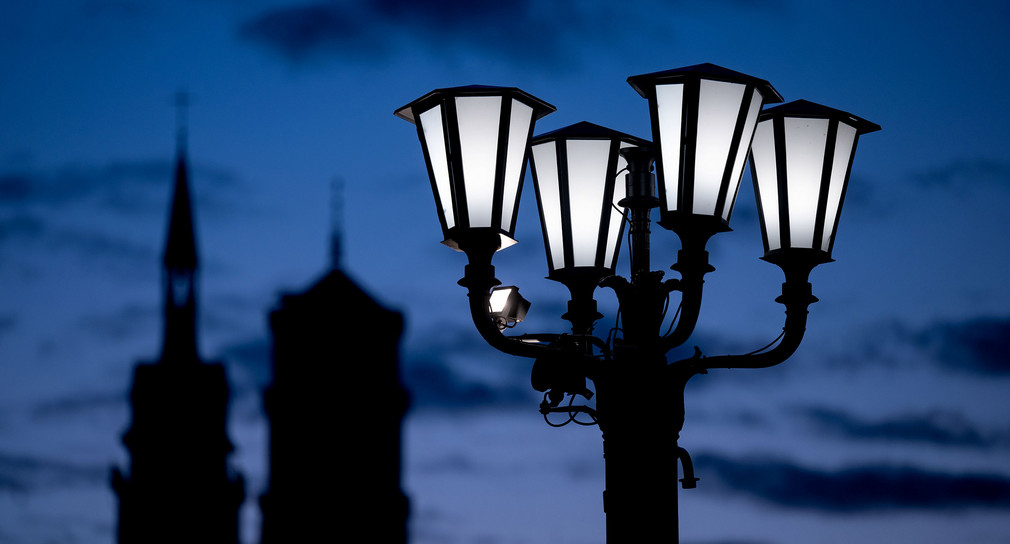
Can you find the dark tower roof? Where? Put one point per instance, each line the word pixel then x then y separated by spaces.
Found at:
pixel 180 245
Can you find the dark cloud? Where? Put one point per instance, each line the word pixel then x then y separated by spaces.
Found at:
pixel 43 209
pixel 550 34
pixel 940 428
pixel 120 185
pixel 249 363
pixel 432 383
pixel 7 323
pixel 125 322
pixel 966 173
pixel 524 31
pixel 19 226
pixel 452 463
pixel 20 473
pixel 976 345
pixel 864 488
pixel 980 345
pixel 25 232
pixel 79 403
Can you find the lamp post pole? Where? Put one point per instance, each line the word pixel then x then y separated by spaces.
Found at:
pixel 476 141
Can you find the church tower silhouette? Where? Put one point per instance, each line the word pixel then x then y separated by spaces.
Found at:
pixel 179 486
pixel 335 411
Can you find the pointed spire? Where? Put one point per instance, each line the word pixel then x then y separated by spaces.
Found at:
pixel 180 261
pixel 336 222
pixel 180 245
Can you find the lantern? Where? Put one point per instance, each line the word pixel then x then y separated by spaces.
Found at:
pixel 800 161
pixel 703 119
pixel 474 140
pixel 575 172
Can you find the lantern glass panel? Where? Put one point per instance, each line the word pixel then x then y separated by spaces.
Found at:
pixel 844 147
pixel 805 141
pixel 545 157
pixel 434 139
pixel 616 212
pixel 718 109
pixel 670 106
pixel 741 156
pixel 766 184
pixel 519 131
pixel 587 182
pixel 478 118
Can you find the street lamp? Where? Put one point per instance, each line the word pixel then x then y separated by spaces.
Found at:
pixel 704 119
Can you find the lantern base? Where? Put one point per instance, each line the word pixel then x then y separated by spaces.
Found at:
pixel 461 239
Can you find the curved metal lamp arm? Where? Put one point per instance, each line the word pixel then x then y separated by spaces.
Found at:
pixel 797 296
pixel 692 263
pixel 479 279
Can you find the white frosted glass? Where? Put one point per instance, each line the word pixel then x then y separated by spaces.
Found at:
pixel 805 139
pixel 844 144
pixel 434 138
pixel 741 155
pixel 587 179
pixel 616 217
pixel 479 117
pixel 519 132
pixel 545 161
pixel 670 104
pixel 718 110
pixel 766 178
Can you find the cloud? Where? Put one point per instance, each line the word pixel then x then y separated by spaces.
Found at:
pixel 77 403
pixel 520 31
pixel 94 210
pixel 119 185
pixel 541 34
pixel 433 383
pixel 975 345
pixel 863 488
pixel 940 428
pixel 962 173
pixel 7 323
pixel 20 473
pixel 978 345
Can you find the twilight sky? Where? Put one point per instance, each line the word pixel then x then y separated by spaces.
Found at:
pixel 889 425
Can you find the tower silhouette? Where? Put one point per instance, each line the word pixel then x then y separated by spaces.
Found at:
pixel 335 410
pixel 179 486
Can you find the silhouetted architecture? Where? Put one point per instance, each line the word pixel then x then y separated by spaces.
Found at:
pixel 179 487
pixel 335 410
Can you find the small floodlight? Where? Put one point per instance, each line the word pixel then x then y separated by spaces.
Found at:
pixel 508 307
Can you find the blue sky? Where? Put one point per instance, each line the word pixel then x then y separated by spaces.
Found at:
pixel 889 424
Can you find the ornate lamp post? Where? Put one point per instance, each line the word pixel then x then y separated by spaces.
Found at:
pixel 704 118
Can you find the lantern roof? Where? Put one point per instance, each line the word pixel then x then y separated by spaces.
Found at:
pixel 587 130
pixel 540 108
pixel 642 83
pixel 805 108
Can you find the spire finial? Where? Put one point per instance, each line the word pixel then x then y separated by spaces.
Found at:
pixel 182 100
pixel 336 221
